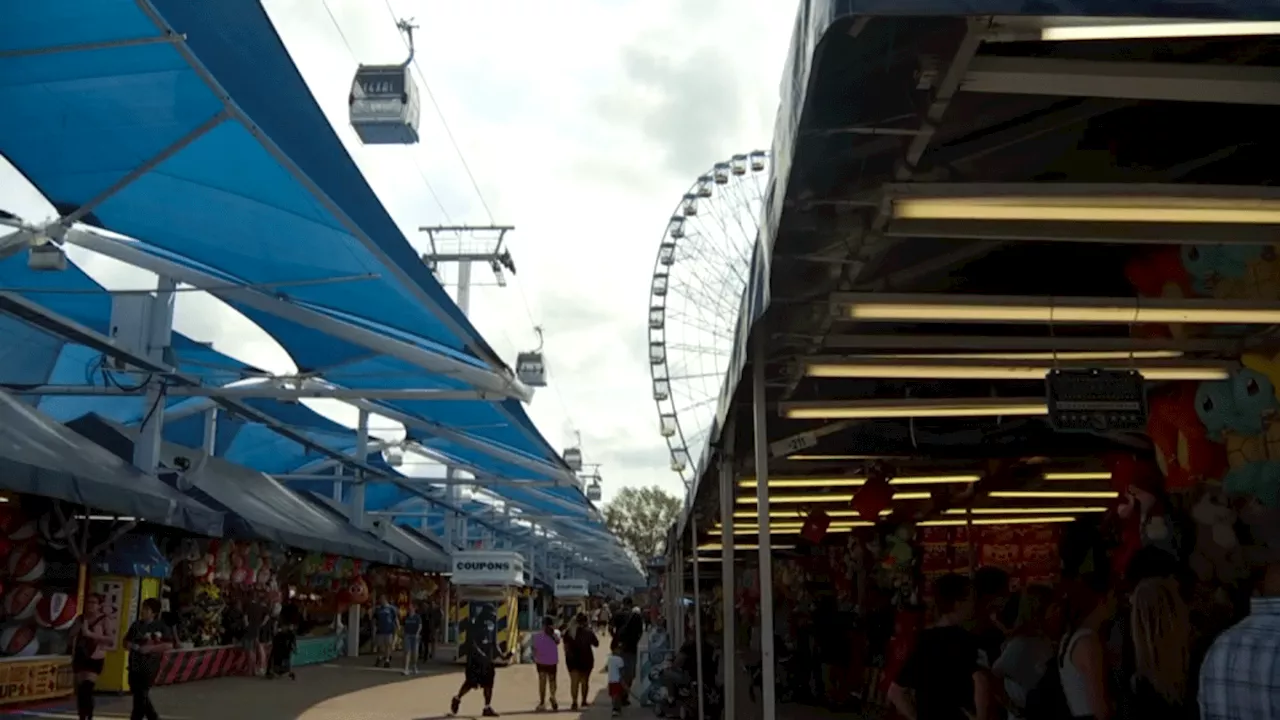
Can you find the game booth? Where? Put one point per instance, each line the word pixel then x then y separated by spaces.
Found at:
pixel 486 587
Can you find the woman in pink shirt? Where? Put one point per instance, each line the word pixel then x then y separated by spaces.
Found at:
pixel 546 656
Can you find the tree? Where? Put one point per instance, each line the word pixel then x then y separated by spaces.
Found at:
pixel 641 518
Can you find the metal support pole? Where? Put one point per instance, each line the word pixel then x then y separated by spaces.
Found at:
pixel 697 615
pixel 146 451
pixel 456 525
pixel 210 440
pixel 768 697
pixel 728 653
pixel 357 488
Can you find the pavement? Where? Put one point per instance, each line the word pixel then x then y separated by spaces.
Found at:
pixel 350 689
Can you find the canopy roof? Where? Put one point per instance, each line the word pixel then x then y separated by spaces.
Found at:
pixel 1007 106
pixel 41 456
pixel 189 127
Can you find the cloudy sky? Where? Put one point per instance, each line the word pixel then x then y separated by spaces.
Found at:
pixel 582 121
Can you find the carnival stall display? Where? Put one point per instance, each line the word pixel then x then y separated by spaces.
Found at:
pixel 41 585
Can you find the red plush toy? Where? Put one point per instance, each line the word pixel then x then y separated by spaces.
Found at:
pixel 875 494
pixel 1159 273
pixel 1184 451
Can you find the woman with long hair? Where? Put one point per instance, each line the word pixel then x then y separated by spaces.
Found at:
pixel 89 638
pixel 1161 626
pixel 580 642
pixel 1029 651
pixel 1091 604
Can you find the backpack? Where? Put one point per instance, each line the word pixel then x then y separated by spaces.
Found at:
pixel 1047 700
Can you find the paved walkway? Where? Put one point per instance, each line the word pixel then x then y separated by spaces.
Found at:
pixel 351 690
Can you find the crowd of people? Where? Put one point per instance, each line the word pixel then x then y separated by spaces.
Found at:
pixel 1091 650
pixel 577 641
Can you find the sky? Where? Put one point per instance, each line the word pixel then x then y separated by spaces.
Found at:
pixel 582 123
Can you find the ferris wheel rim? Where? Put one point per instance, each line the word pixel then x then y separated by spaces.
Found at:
pixel 678 441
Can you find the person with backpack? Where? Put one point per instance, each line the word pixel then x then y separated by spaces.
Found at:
pixel 942 678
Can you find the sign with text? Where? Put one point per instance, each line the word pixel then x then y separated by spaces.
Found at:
pixel 488 568
pixel 36 679
pixel 572 588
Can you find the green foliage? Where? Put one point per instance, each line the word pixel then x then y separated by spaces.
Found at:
pixel 641 518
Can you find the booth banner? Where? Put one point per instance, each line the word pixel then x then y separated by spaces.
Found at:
pixel 24 681
pixel 488 568
pixel 316 650
pixel 572 588
pixel 179 666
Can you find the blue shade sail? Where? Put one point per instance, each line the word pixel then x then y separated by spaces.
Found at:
pixel 43 457
pixel 258 186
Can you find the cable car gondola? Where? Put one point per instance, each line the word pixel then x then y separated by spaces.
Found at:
pixel 530 368
pixel 384 104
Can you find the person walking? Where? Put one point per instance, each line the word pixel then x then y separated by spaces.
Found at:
pixel 413 626
pixel 148 640
pixel 579 659
pixel 255 616
pixel 629 633
pixel 386 619
pixel 546 656
pixel 89 641
pixel 1238 678
pixel 618 690
pixel 481 652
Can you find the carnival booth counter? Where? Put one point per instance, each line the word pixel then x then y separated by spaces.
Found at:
pixel 486 588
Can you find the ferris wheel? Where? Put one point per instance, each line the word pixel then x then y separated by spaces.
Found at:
pixel 699 276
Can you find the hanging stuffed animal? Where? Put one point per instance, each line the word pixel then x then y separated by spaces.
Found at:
pixel 1184 452
pixel 1139 504
pixel 1217 555
pixel 1238 413
pixel 1159 273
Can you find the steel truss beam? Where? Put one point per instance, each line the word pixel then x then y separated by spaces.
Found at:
pixel 255 391
pixel 91 46
pixel 498 384
pixel 24 309
pixel 1179 82
pixel 408 282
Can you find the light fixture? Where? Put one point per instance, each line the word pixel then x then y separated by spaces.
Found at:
pixel 1059 494
pixel 717 546
pixel 792 528
pixel 1077 476
pixel 834 458
pixel 1025 510
pixel 817 482
pixel 1137 29
pixel 913 408
pixel 831 498
pixel 1061 208
pixel 1000 370
pixel 997 521
pixel 792 515
pixel 1076 356
pixel 881 307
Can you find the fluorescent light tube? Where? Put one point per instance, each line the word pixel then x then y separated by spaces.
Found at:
pixel 974 371
pixel 1251 211
pixel 997 521
pixel 889 409
pixel 1147 31
pixel 1075 494
pixel 1070 356
pixel 1077 476
pixel 833 498
pixel 1045 510
pixel 1124 311
pixel 812 482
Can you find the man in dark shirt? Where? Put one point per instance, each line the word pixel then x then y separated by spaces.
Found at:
pixel 482 654
pixel 255 616
pixel 148 640
pixel 629 633
pixel 942 679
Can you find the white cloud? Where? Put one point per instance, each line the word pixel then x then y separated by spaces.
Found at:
pixel 583 121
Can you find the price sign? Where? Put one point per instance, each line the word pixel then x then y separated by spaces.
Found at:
pixel 793 444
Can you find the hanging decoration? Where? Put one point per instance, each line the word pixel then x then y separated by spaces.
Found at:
pixel 875 495
pixel 1184 451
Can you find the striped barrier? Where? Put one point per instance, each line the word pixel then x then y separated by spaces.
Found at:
pixel 180 666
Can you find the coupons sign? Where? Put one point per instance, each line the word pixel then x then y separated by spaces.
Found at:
pixel 572 588
pixel 488 568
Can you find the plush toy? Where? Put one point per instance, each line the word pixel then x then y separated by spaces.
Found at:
pixel 1184 452
pixel 1238 413
pixel 1217 554
pixel 1159 273
pixel 1141 514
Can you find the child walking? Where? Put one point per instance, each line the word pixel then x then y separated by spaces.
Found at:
pixel 546 656
pixel 617 688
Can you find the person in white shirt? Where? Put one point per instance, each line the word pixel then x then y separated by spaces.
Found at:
pixel 617 687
